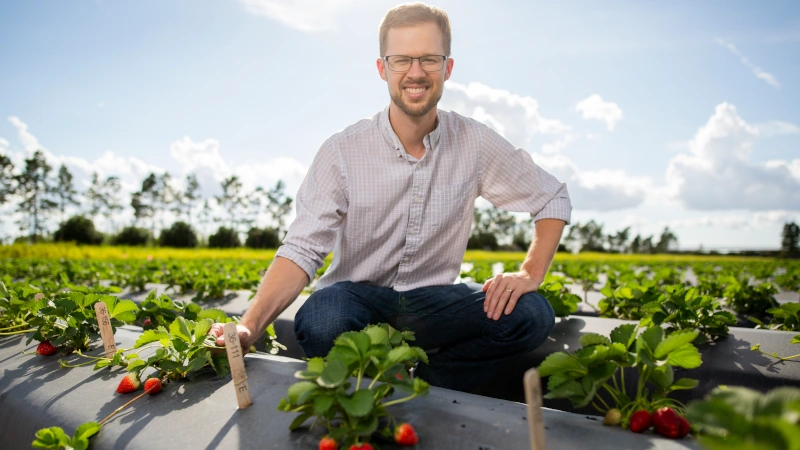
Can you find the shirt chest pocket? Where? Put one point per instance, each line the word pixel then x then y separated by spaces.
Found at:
pixel 450 204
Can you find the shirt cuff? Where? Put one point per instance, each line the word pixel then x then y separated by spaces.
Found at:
pixel 309 265
pixel 557 208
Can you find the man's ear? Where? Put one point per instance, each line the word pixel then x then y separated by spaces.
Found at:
pixel 381 68
pixel 448 69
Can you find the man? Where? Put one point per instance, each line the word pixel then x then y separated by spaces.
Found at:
pixel 393 198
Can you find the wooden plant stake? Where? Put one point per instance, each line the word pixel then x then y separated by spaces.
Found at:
pixel 106 332
pixel 533 397
pixel 236 360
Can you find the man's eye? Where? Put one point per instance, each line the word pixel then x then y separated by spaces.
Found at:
pixel 402 60
pixel 429 61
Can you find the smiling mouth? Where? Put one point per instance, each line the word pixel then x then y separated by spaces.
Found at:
pixel 415 90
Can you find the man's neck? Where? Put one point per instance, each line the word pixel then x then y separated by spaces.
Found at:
pixel 412 130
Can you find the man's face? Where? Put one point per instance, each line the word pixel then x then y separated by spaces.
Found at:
pixel 415 92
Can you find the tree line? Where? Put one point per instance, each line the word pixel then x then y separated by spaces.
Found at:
pixel 42 195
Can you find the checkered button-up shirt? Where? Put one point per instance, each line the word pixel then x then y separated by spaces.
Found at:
pixel 396 221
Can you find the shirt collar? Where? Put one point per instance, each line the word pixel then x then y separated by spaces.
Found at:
pixel 391 137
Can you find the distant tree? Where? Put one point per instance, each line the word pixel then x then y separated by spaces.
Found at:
pixel 65 190
pixel 144 201
pixel 523 234
pixel 790 240
pixel 636 244
pixel 491 221
pixel 232 202
pixel 619 242
pixel 167 198
pixel 133 236
pixel 205 216
pixel 37 192
pixel 7 182
pixel 279 206
pixel 591 237
pixel 94 196
pixel 179 235
pixel 190 196
pixel 112 188
pixel 224 238
pixel 667 242
pixel 78 229
pixel 262 238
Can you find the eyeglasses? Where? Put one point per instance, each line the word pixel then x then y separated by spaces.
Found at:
pixel 429 63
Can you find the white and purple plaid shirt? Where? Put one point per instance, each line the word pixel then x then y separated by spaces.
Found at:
pixel 395 221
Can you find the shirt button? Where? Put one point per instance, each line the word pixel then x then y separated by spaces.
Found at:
pixel 417 199
pixel 412 231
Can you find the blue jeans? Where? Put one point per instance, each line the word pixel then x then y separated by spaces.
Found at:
pixel 471 347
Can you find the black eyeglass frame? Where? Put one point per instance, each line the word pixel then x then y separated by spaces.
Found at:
pixel 419 60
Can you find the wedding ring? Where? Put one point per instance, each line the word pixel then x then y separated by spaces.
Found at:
pixel 509 290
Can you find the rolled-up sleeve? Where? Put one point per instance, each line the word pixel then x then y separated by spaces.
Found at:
pixel 321 207
pixel 509 179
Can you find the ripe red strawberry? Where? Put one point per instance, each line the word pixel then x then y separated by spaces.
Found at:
pixel 129 384
pixel 328 443
pixel 404 434
pixel 667 422
pixel 640 421
pixel 361 446
pixel 153 383
pixel 146 323
pixel 685 427
pixel 46 349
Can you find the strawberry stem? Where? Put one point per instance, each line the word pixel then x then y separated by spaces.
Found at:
pixel 15 326
pixel 12 333
pixel 126 404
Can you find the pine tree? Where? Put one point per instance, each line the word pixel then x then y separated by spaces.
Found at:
pixel 65 191
pixel 790 240
pixel 37 192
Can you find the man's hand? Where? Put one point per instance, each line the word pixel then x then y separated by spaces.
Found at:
pixel 503 291
pixel 246 339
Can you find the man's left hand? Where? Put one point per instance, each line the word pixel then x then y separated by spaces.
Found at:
pixel 503 291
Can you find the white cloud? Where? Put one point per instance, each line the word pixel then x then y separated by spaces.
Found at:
pixel 594 107
pixel 744 221
pixel 717 173
pixel 776 128
pixel 4 144
pixel 305 15
pixel 29 141
pixel 518 119
pixel 757 71
pixel 515 117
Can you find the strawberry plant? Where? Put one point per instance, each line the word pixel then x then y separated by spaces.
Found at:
pixel 736 418
pixel 785 317
pixel 16 305
pixel 599 367
pixel 69 320
pixel 747 299
pixel 628 301
pixel 162 310
pixel 561 299
pixel 687 309
pixel 350 412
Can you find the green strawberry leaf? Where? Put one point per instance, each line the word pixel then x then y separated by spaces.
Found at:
pixel 51 438
pixel 358 404
pixel 686 356
pixel 334 374
pixel 590 339
pixel 674 341
pixel 559 362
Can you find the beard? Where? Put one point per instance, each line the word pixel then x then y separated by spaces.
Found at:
pixel 416 110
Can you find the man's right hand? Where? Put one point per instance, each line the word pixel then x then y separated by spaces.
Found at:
pixel 246 338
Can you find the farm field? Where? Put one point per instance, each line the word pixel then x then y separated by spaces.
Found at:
pixel 633 333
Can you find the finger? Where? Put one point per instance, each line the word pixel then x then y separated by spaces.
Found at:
pixel 501 304
pixel 487 284
pixel 490 293
pixel 512 302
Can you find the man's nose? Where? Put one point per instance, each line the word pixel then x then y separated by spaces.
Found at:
pixel 416 69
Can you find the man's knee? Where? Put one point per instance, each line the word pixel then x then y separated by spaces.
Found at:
pixel 326 314
pixel 533 321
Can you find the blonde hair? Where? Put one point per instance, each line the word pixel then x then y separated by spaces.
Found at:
pixel 414 14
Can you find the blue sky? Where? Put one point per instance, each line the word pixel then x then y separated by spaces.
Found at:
pixel 681 114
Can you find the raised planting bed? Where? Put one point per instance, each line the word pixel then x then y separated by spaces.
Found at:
pixel 36 393
pixel 727 362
